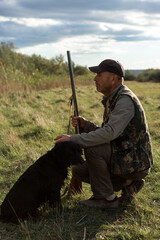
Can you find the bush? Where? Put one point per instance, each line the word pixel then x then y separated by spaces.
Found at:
pixel 129 76
pixel 80 70
pixel 149 75
pixel 36 63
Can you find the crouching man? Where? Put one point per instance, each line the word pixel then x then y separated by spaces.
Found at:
pixel 118 154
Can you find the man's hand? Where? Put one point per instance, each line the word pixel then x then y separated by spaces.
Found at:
pixel 75 120
pixel 62 138
pixel 65 137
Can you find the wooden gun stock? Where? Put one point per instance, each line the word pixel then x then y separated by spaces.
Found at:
pixel 75 185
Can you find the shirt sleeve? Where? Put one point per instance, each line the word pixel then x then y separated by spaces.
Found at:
pixel 90 126
pixel 119 118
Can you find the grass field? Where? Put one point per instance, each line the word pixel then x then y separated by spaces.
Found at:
pixel 29 122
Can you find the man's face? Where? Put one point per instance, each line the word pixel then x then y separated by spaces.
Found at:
pixel 105 82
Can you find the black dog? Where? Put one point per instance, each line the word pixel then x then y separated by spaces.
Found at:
pixel 41 182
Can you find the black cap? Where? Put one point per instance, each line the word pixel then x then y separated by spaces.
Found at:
pixel 109 65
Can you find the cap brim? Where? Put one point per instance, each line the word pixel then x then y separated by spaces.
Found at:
pixel 96 69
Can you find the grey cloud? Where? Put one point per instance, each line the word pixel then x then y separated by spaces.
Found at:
pixel 52 8
pixel 126 35
pixel 71 5
pixel 79 17
pixel 28 36
pixel 135 38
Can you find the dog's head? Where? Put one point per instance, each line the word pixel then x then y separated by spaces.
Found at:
pixel 69 152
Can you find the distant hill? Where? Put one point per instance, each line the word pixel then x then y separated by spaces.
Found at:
pixel 136 71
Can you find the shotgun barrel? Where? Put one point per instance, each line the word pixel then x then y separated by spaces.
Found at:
pixel 75 185
pixel 72 82
pixel 73 89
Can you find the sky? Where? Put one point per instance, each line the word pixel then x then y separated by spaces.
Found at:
pixel 92 30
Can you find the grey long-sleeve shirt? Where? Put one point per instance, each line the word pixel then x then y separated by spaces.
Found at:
pixel 119 118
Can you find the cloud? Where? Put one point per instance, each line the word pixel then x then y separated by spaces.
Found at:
pixel 92 26
pixel 69 8
pixel 27 34
pixel 33 31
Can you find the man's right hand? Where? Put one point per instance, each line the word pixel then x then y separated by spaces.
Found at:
pixel 81 120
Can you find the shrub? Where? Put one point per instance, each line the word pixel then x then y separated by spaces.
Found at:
pixel 149 75
pixel 129 76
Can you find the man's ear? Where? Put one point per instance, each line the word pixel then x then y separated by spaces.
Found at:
pixel 114 79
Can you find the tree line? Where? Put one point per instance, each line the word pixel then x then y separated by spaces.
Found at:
pixel 25 68
pixel 148 75
pixel 34 63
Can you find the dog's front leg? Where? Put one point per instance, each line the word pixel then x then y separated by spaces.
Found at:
pixel 55 200
pixel 60 206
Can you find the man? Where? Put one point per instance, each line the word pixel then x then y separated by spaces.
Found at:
pixel 118 154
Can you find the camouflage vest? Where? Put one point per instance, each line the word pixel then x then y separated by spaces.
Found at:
pixel 131 151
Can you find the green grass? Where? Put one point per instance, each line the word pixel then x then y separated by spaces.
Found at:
pixel 29 122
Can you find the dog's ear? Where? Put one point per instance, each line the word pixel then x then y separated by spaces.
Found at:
pixel 59 152
pixel 59 146
pixel 68 152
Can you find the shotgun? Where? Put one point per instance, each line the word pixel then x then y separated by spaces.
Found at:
pixel 75 184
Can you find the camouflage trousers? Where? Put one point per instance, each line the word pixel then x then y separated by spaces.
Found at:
pixel 96 171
